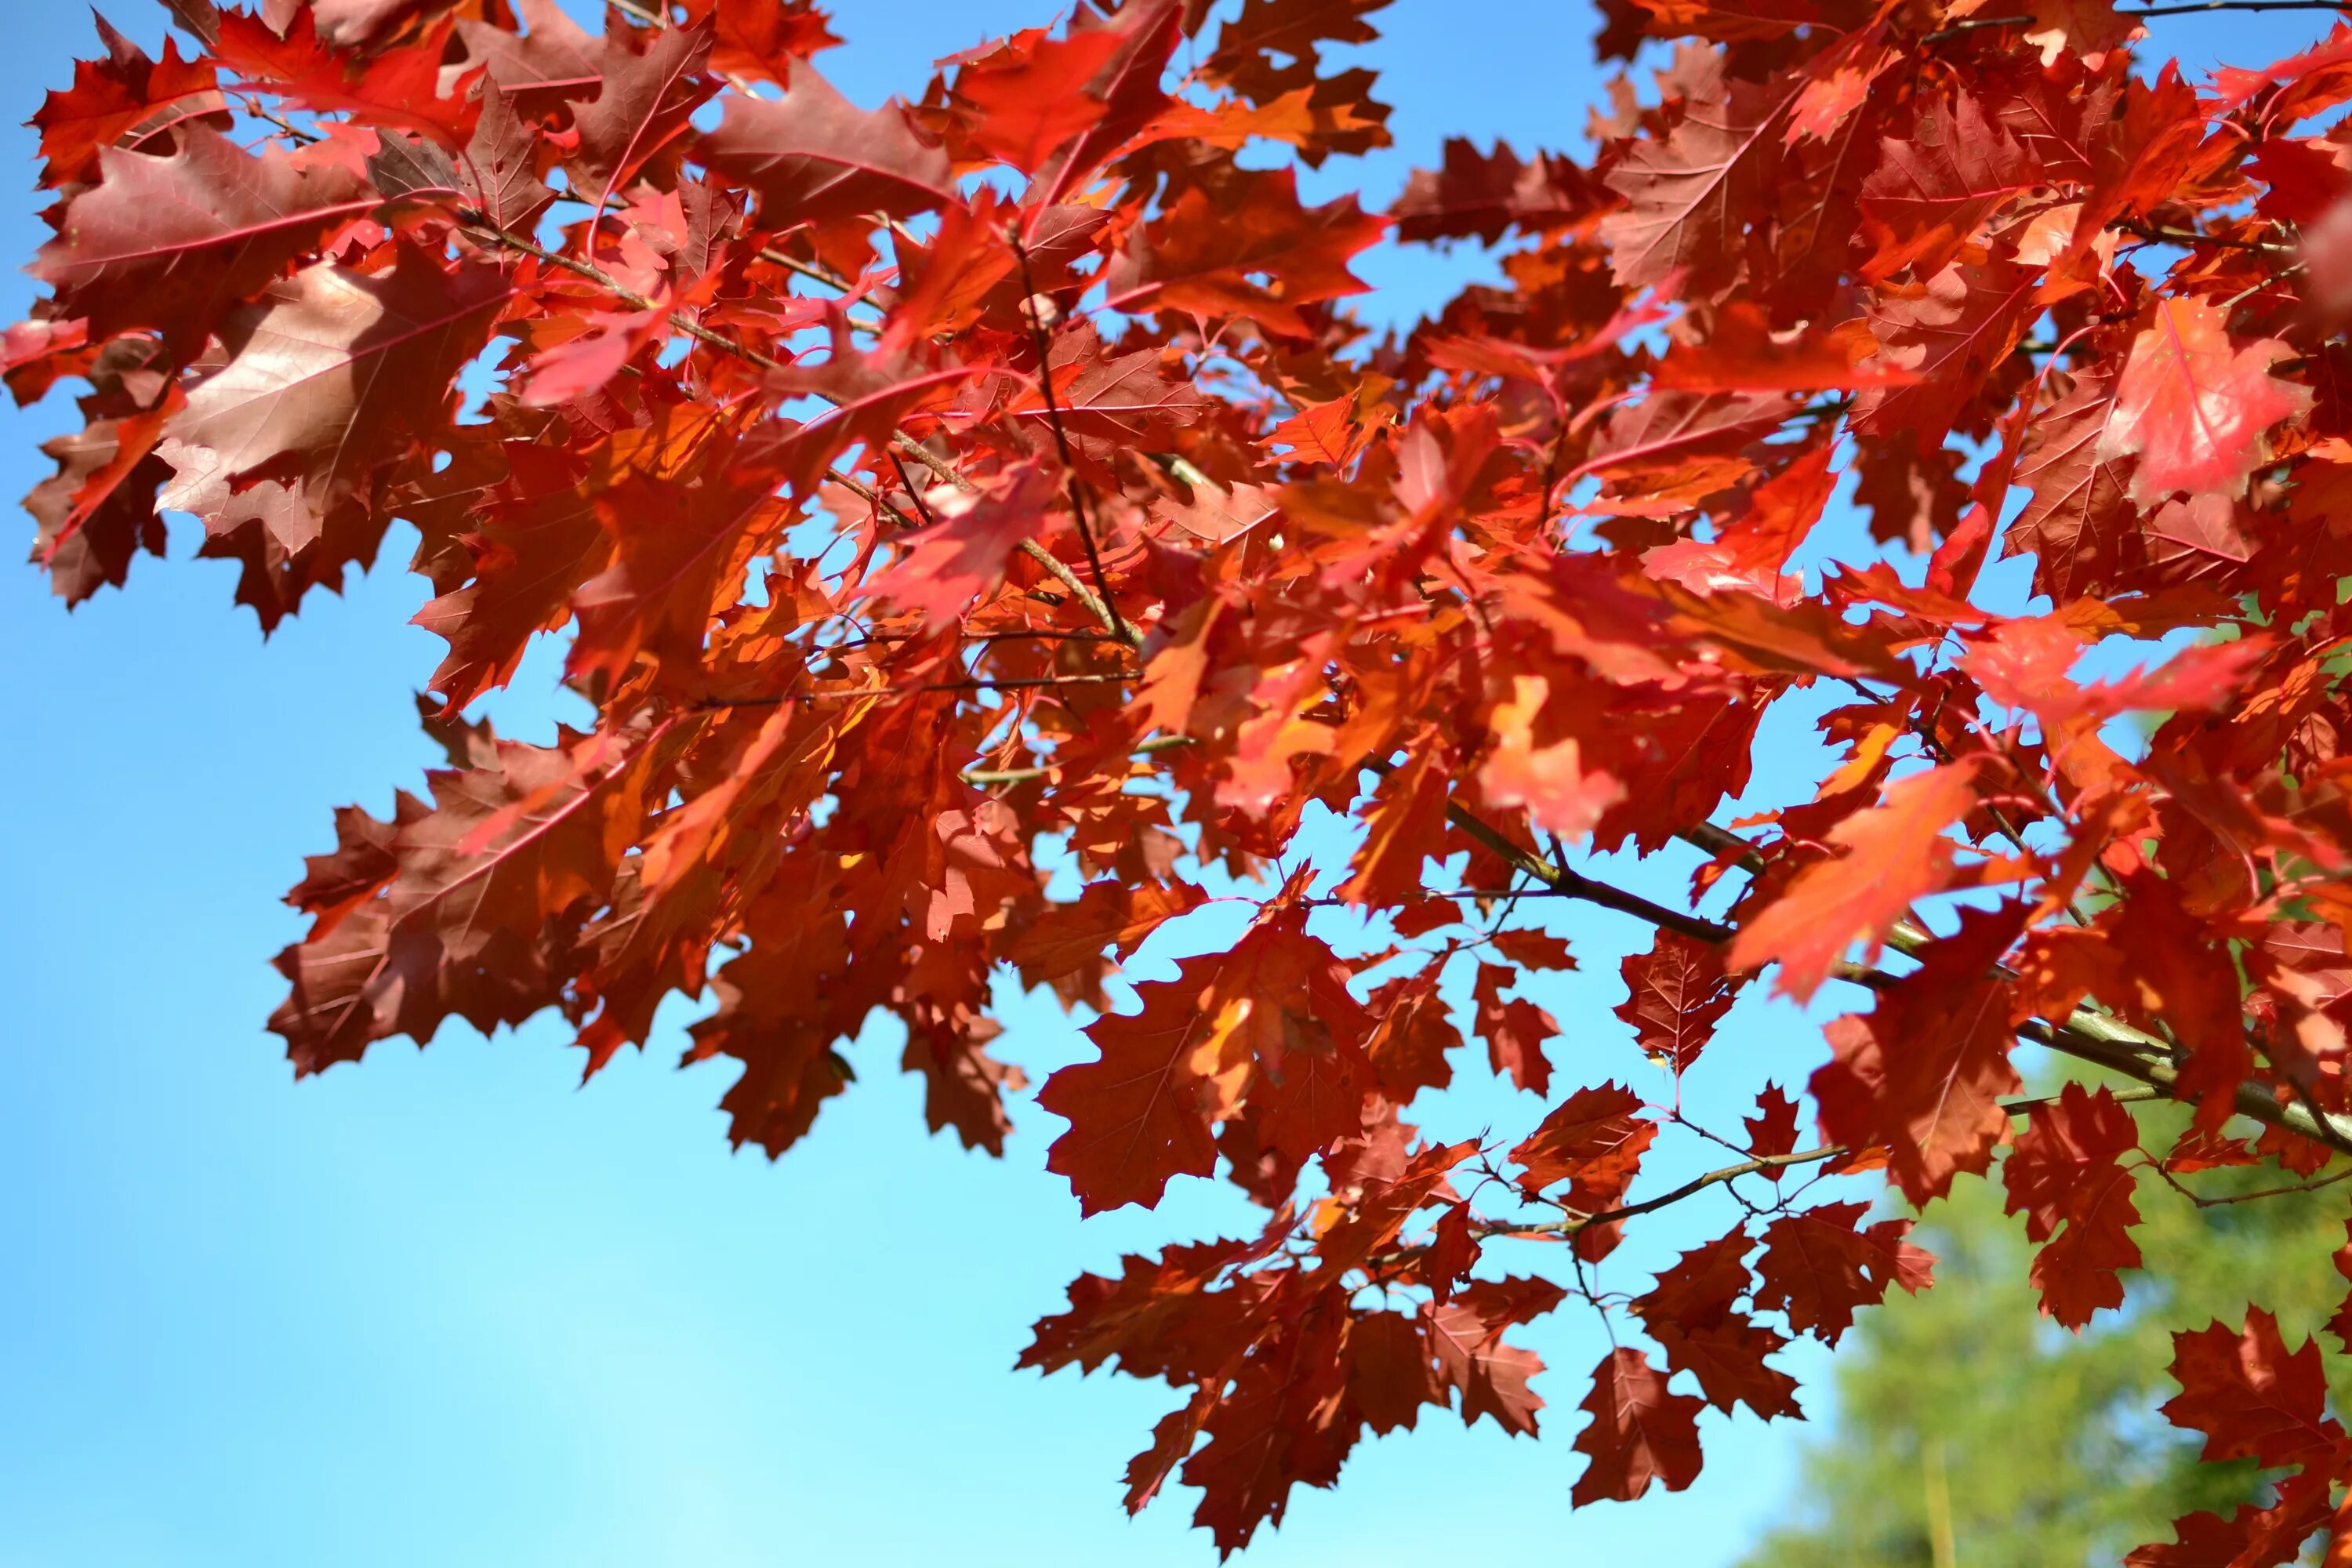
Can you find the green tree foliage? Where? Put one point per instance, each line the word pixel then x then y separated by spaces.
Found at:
pixel 1969 1429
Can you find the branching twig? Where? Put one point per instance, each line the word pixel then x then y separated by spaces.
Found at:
pixel 977 683
pixel 2160 234
pixel 1043 346
pixel 1575 1223
pixel 478 227
pixel 2090 1034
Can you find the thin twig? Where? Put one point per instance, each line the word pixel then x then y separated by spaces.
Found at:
pixel 978 683
pixel 2205 1202
pixel 912 493
pixel 478 225
pixel 2090 1034
pixel 1060 569
pixel 2160 234
pixel 1061 438
pixel 1023 775
pixel 1575 1223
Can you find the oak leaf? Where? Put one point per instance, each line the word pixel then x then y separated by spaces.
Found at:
pixel 1896 852
pixel 2065 1171
pixel 1676 992
pixel 1819 1265
pixel 1186 260
pixel 1640 1432
pixel 1923 1072
pixel 813 155
pixel 176 241
pixel 2252 1397
pixel 2193 408
pixel 322 374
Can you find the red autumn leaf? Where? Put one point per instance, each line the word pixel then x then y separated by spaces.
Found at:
pixel 812 154
pixel 2079 517
pixel 673 547
pixel 2065 1171
pixel 1896 852
pixel 1027 103
pixel 962 556
pixel 1408 1045
pixel 1533 949
pixel 1514 1031
pixel 506 848
pixel 1691 1313
pixel 1452 1251
pixel 2248 1395
pixel 565 372
pixel 1146 1104
pixel 1923 1072
pixel 1184 262
pixel 2024 664
pixel 1743 354
pixel 175 241
pixel 761 38
pixel 1780 513
pixel 1819 1265
pixel 1931 193
pixel 1947 336
pixel 124 99
pixel 641 107
pixel 1772 1131
pixel 1594 1139
pixel 2235 85
pixel 1676 994
pixel 1475 194
pixel 1682 195
pixel 1332 433
pixel 1640 1432
pixel 1269 1026
pixel 1127 84
pixel 1550 780
pixel 1108 914
pixel 324 372
pixel 1726 1359
pixel 2193 408
pixel 1404 829
pixel 307 66
pixel 1466 1337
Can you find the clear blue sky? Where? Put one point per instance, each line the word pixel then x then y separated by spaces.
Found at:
pixel 444 1306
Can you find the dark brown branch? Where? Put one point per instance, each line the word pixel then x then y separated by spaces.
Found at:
pixel 1575 1223
pixel 2193 8
pixel 1022 775
pixel 2090 1034
pixel 2159 234
pixel 2200 6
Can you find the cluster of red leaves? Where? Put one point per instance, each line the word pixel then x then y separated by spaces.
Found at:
pixel 900 521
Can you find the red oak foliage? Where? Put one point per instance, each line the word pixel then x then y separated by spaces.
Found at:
pixel 989 541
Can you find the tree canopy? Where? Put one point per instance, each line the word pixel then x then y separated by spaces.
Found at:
pixel 985 537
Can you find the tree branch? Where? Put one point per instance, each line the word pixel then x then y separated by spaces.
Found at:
pixel 2090 1034
pixel 1575 1223
pixel 2191 8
